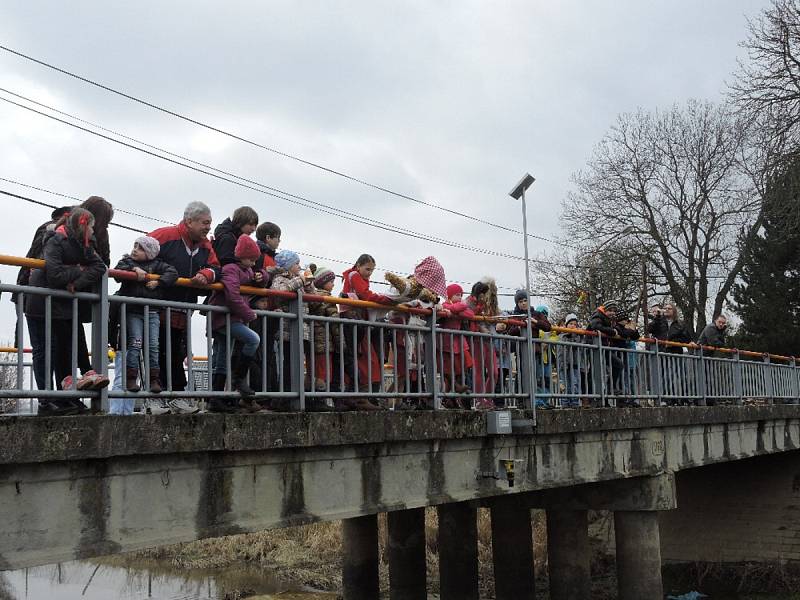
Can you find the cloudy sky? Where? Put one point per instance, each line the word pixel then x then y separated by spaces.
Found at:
pixel 447 102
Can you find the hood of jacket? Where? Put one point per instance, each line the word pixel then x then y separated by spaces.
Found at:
pixel 226 227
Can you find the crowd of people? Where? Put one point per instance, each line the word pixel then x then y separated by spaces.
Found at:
pixel 151 342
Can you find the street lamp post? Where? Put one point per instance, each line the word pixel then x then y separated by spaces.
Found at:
pixel 518 193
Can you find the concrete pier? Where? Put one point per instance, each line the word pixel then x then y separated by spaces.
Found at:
pixel 360 558
pixel 568 554
pixel 512 549
pixel 458 551
pixel 407 566
pixel 638 555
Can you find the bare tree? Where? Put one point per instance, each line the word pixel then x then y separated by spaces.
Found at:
pixel 767 85
pixel 592 276
pixel 678 177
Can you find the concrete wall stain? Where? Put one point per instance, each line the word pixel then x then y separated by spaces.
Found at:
pixel 726 442
pixel 371 483
pixel 760 447
pixel 215 500
pixel 94 506
pixel 437 477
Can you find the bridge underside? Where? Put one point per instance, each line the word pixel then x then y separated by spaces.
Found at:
pixel 86 486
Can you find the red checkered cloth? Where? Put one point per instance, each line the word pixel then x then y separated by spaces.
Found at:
pixel 431 275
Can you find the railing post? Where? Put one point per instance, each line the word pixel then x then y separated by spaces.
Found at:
pixel 296 356
pixel 769 388
pixel 599 371
pixel 795 384
pixel 525 365
pixel 430 359
pixel 701 379
pixel 655 374
pixel 738 378
pixel 100 342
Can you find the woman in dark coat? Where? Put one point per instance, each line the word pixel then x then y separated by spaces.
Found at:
pixel 71 264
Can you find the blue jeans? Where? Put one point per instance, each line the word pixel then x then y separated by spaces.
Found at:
pixel 572 384
pixel 248 339
pixel 135 332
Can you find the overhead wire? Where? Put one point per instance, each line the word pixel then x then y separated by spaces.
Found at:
pixel 300 200
pixel 276 151
pixel 280 194
pixel 142 231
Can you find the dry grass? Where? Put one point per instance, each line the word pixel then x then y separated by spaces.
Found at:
pixel 311 555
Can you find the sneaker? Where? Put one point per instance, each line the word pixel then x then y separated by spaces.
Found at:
pixel 484 404
pixel 154 406
pixel 91 380
pixel 66 383
pixel 180 406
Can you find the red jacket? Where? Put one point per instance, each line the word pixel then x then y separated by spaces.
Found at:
pixel 458 309
pixel 188 258
pixel 355 286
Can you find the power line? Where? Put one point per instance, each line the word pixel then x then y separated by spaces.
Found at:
pixel 294 199
pixel 116 209
pixel 271 191
pixel 250 142
pixel 31 200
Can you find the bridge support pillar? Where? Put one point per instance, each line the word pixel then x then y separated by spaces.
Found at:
pixel 360 560
pixel 512 549
pixel 407 565
pixel 638 555
pixel 568 554
pixel 458 551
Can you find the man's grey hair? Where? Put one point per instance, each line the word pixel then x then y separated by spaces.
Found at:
pixel 195 210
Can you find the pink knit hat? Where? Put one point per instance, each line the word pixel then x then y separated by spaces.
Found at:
pixel 431 275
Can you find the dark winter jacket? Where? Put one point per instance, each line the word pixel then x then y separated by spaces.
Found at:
pixel 225 238
pixel 711 336
pixel 37 249
pixel 234 276
pixel 138 289
pixel 67 261
pixel 676 331
pixel 601 322
pixel 188 258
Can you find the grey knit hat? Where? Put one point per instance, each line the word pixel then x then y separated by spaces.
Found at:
pixel 150 246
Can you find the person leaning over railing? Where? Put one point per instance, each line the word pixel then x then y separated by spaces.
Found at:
pixel 604 320
pixel 714 335
pixel 327 357
pixel 569 362
pixel 234 276
pixel 142 261
pixel 71 263
pixel 186 247
pixel 360 360
pixel 288 277
pixel 103 212
pixel 539 323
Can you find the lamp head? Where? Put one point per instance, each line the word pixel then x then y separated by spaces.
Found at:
pixel 523 185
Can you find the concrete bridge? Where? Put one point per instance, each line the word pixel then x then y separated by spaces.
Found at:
pixel 86 486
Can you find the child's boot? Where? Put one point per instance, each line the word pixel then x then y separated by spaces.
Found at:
pixel 240 370
pixel 155 380
pixel 131 379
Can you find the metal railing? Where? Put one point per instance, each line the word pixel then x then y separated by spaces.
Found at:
pixel 392 356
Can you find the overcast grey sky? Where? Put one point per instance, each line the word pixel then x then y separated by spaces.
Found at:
pixel 450 102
